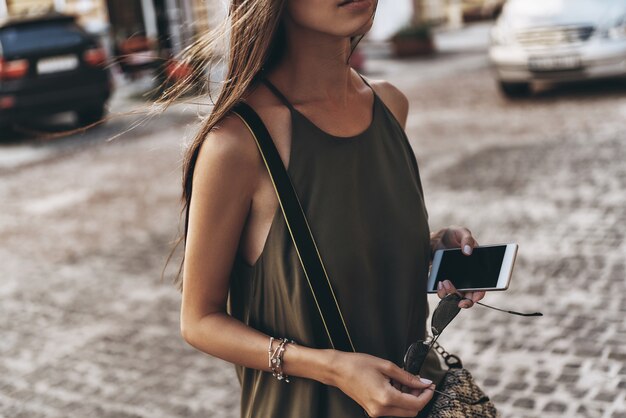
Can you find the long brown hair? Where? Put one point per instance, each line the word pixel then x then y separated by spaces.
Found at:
pixel 257 40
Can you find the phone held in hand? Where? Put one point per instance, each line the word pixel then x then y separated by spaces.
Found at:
pixel 489 267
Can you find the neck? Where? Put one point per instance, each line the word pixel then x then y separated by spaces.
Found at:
pixel 314 67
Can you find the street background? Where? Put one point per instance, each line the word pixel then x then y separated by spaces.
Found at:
pixel 89 330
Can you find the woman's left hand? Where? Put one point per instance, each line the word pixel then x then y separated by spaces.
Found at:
pixel 456 237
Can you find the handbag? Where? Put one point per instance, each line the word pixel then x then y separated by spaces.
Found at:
pixel 457 395
pixel 467 398
pixel 456 380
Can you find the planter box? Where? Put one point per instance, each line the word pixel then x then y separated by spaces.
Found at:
pixel 411 47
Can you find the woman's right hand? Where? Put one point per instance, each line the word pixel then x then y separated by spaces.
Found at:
pixel 372 382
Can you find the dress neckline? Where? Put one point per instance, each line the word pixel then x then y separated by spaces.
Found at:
pixel 338 138
pixel 293 110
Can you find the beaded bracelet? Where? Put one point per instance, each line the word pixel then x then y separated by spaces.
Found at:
pixel 276 358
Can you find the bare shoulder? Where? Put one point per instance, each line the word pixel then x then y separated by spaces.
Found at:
pixel 229 152
pixel 229 149
pixel 393 98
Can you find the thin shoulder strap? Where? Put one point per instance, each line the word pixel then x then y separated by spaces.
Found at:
pixel 364 80
pixel 277 93
pixel 314 271
pixel 368 84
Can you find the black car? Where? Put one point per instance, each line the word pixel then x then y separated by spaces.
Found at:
pixel 49 65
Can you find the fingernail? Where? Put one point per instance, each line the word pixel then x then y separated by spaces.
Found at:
pixel 447 284
pixel 467 249
pixel 439 285
pixel 425 381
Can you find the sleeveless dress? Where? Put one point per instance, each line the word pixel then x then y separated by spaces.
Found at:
pixel 363 199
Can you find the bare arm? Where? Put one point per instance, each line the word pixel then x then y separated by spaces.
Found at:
pixel 225 178
pixel 224 181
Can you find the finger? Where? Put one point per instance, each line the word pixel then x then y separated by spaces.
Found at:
pixel 467 242
pixel 452 237
pixel 449 287
pixel 405 378
pixel 441 291
pixel 418 392
pixel 467 301
pixel 426 395
pixel 477 296
pixel 410 402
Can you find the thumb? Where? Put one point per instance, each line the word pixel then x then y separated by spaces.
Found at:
pixel 467 244
pixel 407 379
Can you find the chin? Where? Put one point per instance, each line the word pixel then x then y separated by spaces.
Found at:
pixel 365 27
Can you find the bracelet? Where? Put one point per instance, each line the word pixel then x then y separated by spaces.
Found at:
pixel 276 358
pixel 269 352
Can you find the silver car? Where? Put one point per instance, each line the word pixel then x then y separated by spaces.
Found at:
pixel 558 40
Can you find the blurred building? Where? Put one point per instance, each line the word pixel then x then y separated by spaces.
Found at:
pixel 172 24
pixel 92 13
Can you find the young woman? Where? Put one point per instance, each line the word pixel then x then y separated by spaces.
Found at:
pixel 342 139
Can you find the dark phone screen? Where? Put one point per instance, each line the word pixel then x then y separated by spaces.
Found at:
pixel 479 270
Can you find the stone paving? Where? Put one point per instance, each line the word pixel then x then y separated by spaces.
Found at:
pixel 549 173
pixel 89 330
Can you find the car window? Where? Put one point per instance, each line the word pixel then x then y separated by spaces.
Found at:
pixel 20 40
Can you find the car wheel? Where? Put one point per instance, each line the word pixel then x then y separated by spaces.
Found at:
pixel 90 115
pixel 515 90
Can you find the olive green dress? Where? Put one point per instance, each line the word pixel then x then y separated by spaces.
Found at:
pixel 363 199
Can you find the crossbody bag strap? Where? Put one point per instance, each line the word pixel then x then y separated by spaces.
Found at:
pixel 310 259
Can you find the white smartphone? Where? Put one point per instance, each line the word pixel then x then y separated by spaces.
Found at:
pixel 489 267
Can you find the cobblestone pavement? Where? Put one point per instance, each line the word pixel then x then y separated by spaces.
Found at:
pixel 549 173
pixel 88 329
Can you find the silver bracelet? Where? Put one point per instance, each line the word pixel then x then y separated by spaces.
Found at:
pixel 276 358
pixel 269 353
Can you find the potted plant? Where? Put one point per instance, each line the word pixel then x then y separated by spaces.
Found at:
pixel 413 40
